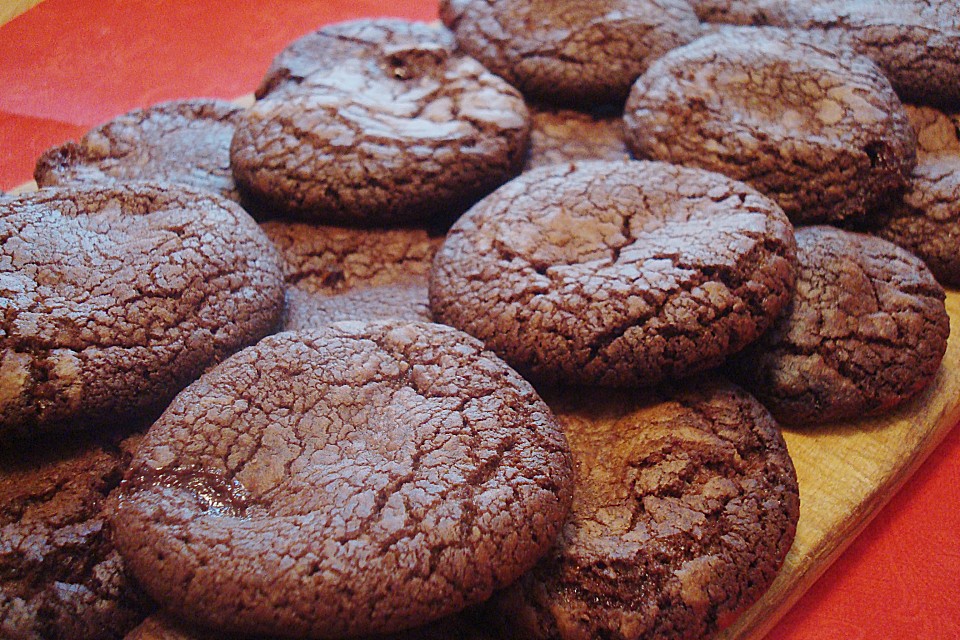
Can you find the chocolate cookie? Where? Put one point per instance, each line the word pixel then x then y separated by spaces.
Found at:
pixel 820 130
pixel 307 310
pixel 114 298
pixel 163 627
pixel 865 331
pixel 927 221
pixel 615 273
pixel 330 260
pixel 685 505
pixel 357 479
pixel 566 51
pixel 564 135
pixel 60 576
pixel 339 273
pixel 375 41
pixel 937 132
pixel 396 130
pixel 184 142
pixel 915 42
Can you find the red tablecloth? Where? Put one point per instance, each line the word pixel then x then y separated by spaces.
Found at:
pixel 69 64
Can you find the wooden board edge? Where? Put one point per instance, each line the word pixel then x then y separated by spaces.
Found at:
pixel 757 621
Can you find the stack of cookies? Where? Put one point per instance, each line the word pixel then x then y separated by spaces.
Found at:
pixel 436 338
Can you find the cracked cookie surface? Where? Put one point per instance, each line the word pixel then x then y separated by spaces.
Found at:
pixel 865 331
pixel 565 135
pixel 391 127
pixel 337 273
pixel 818 129
pixel 615 273
pixel 162 626
pixel 115 298
pixel 184 142
pixel 367 477
pixel 915 42
pixel 566 51
pixel 60 576
pixel 685 505
pixel 927 221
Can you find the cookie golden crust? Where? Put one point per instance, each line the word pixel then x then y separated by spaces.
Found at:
pixel 866 331
pixel 569 52
pixel 615 273
pixel 400 130
pixel 185 142
pixel 685 505
pixel 818 129
pixel 363 478
pixel 115 298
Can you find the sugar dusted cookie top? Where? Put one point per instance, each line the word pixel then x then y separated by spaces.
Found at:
pixel 685 505
pixel 116 297
pixel 615 273
pixel 363 478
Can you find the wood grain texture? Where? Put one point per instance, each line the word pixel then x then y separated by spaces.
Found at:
pixel 847 471
pixel 10 9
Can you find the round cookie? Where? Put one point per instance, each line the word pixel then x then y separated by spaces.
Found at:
pixel 362 478
pixel 566 51
pixel 915 42
pixel 114 298
pixel 828 140
pixel 334 46
pixel 615 273
pixel 395 131
pixel 60 576
pixel 927 221
pixel 184 142
pixel 865 331
pixel 564 135
pixel 337 274
pixel 685 505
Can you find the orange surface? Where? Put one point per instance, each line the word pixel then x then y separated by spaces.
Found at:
pixel 68 64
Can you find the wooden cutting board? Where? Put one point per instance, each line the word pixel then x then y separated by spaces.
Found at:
pixel 847 472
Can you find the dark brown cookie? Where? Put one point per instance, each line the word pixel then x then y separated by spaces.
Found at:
pixel 366 477
pixel 915 42
pixel 865 331
pixel 820 130
pixel 60 576
pixel 566 51
pixel 331 260
pixel 564 135
pixel 615 273
pixel 114 298
pixel 333 46
pixel 396 130
pixel 927 221
pixel 184 142
pixel 685 505
pixel 163 627
pixel 339 273
pixel 307 310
